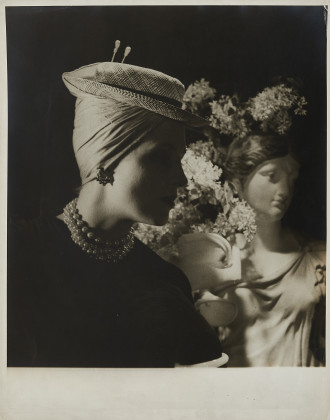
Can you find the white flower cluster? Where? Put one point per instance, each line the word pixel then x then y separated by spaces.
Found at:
pixel 197 97
pixel 228 116
pixel 273 107
pixel 274 99
pixel 240 219
pixel 271 110
pixel 151 235
pixel 200 171
pixel 205 149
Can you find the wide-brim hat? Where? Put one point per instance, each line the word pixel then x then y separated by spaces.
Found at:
pixel 139 86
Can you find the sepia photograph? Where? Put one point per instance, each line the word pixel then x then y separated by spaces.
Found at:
pixel 166 202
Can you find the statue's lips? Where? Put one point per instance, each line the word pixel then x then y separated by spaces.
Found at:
pixel 281 204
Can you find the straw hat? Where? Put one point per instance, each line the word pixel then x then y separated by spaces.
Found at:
pixel 139 86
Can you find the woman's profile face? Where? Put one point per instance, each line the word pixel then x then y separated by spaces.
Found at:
pixel 146 180
pixel 269 188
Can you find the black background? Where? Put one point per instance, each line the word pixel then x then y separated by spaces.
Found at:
pixel 237 48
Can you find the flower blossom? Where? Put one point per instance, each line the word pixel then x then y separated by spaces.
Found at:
pixel 198 96
pixel 273 107
pixel 199 170
pixel 228 116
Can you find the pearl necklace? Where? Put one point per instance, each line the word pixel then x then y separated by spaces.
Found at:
pixel 86 237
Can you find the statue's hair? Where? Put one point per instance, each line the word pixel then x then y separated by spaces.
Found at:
pixel 245 154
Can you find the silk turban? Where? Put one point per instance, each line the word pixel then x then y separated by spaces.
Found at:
pixel 117 105
pixel 105 130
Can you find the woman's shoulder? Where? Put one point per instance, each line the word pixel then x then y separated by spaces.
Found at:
pixel 32 226
pixel 27 236
pixel 27 242
pixel 168 271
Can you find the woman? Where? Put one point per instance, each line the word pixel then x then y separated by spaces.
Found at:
pixel 281 295
pixel 82 290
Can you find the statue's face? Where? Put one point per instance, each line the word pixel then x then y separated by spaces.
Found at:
pixel 269 188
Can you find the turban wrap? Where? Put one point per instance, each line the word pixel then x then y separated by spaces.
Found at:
pixel 105 130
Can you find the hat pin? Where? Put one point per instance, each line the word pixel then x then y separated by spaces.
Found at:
pixel 126 52
pixel 117 45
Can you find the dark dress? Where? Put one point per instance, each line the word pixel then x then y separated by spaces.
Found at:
pixel 68 310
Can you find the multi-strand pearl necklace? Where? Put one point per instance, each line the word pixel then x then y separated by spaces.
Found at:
pixel 91 243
